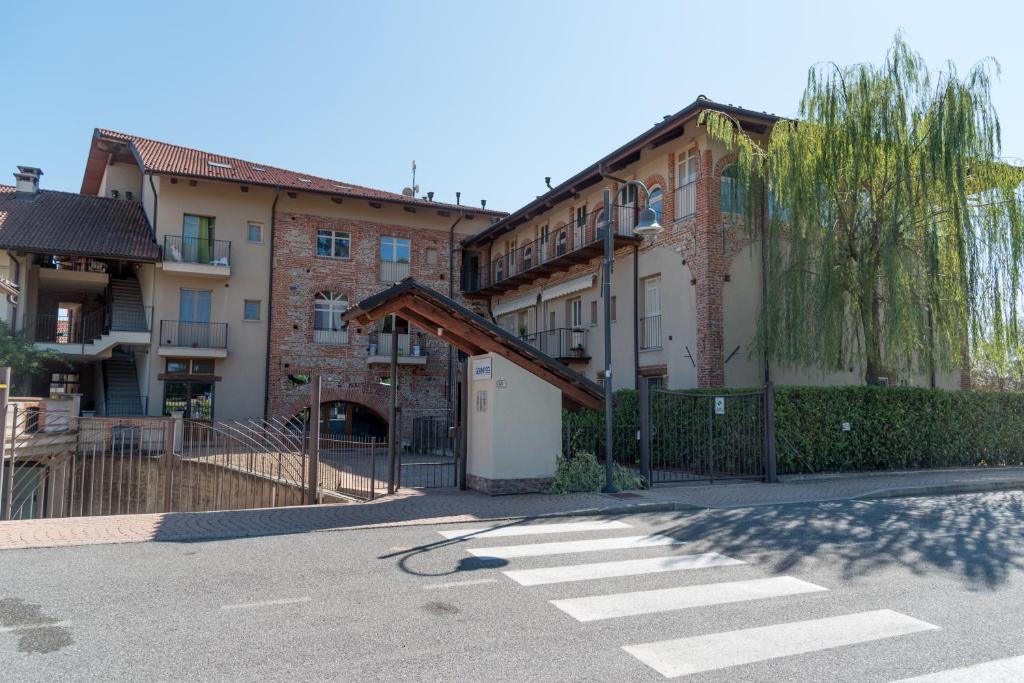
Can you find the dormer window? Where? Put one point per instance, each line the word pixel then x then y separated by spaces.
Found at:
pixel 219 164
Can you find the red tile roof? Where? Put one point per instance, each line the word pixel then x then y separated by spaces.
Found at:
pixel 165 158
pixel 82 225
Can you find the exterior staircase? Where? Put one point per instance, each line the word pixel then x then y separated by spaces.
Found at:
pixel 127 314
pixel 121 384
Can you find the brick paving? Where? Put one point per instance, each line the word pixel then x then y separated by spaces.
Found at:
pixel 437 506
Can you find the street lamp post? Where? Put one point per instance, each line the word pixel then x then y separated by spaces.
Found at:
pixel 647 225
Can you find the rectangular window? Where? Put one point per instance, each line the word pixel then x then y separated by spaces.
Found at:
pixel 394 259
pixel 189 366
pixel 177 366
pixel 332 244
pixel 252 310
pixel 254 231
pixel 576 312
pixel 593 312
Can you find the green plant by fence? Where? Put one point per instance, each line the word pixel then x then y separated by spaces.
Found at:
pixel 833 429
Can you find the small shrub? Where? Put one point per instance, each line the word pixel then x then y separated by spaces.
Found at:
pixel 583 473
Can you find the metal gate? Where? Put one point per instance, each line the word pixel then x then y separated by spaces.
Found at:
pixel 427 453
pixel 688 436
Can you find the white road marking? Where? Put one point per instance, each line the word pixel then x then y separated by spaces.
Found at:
pixel 1009 670
pixel 683 597
pixel 533 529
pixel 506 552
pixel 28 627
pixel 685 656
pixel 456 584
pixel 266 603
pixel 602 570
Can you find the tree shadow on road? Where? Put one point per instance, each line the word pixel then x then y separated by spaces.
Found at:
pixel 978 538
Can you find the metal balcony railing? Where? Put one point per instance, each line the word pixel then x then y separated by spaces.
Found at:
pixel 560 342
pixel 650 332
pixel 330 337
pixel 686 200
pixel 199 250
pixel 563 240
pixel 83 328
pixel 393 271
pixel 196 335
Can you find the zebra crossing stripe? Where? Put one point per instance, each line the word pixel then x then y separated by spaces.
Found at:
pixel 604 570
pixel 507 552
pixel 1009 670
pixel 697 654
pixel 683 597
pixel 534 529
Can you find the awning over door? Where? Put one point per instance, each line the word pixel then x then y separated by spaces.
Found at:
pixel 516 304
pixel 577 284
pixel 462 328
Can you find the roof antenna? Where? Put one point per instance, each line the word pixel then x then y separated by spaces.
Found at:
pixel 547 181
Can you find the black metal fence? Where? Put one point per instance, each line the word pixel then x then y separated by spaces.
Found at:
pixel 197 335
pixel 74 327
pixel 560 342
pixel 427 454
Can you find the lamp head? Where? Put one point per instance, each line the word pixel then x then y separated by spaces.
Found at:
pixel 648 224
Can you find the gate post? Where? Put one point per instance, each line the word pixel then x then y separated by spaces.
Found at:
pixel 463 404
pixel 645 428
pixel 313 449
pixel 770 465
pixel 168 463
pixel 5 382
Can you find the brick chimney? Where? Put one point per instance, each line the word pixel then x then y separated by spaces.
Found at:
pixel 27 182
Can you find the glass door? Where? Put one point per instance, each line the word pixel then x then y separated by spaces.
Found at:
pixel 194 317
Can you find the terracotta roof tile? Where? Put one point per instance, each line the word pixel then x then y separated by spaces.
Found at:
pixel 69 223
pixel 165 158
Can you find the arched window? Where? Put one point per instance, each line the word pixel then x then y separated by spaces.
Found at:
pixel 657 202
pixel 499 268
pixel 328 327
pixel 560 243
pixel 528 257
pixel 731 197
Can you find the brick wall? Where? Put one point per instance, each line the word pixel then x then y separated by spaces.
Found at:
pixel 299 274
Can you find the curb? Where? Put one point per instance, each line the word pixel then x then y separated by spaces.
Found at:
pixel 943 489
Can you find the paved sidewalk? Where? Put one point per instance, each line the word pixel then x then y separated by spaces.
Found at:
pixel 436 506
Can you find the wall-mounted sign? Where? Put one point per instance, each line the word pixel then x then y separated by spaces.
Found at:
pixel 719 405
pixel 481 368
pixel 500 383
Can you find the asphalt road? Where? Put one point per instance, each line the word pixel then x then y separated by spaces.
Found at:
pixel 875 591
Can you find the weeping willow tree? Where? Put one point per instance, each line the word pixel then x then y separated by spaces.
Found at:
pixel 894 237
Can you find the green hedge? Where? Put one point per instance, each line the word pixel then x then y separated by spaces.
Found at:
pixel 891 428
pixel 895 428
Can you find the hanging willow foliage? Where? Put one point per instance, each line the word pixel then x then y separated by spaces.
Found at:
pixel 894 233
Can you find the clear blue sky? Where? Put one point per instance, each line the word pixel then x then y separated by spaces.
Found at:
pixel 488 97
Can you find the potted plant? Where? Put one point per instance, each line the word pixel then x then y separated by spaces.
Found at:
pixel 417 348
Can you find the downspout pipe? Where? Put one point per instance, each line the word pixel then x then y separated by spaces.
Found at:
pixel 270 305
pixel 451 295
pixel 156 203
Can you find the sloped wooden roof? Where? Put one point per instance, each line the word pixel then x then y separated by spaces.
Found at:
pixel 473 334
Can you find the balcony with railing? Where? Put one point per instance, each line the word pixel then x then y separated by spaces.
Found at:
pixel 393 271
pixel 650 333
pixel 94 331
pixel 411 350
pixel 198 339
pixel 197 256
pixel 559 250
pixel 686 200
pixel 567 344
pixel 329 337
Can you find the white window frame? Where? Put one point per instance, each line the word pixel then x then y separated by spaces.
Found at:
pixel 333 305
pixel 335 236
pixel 393 243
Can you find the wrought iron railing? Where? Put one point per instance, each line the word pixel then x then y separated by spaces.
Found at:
pixel 83 328
pixel 561 342
pixel 686 199
pixel 197 335
pixel 330 337
pixel 393 271
pixel 198 250
pixel 563 240
pixel 650 332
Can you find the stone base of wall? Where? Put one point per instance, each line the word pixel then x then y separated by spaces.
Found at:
pixel 501 487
